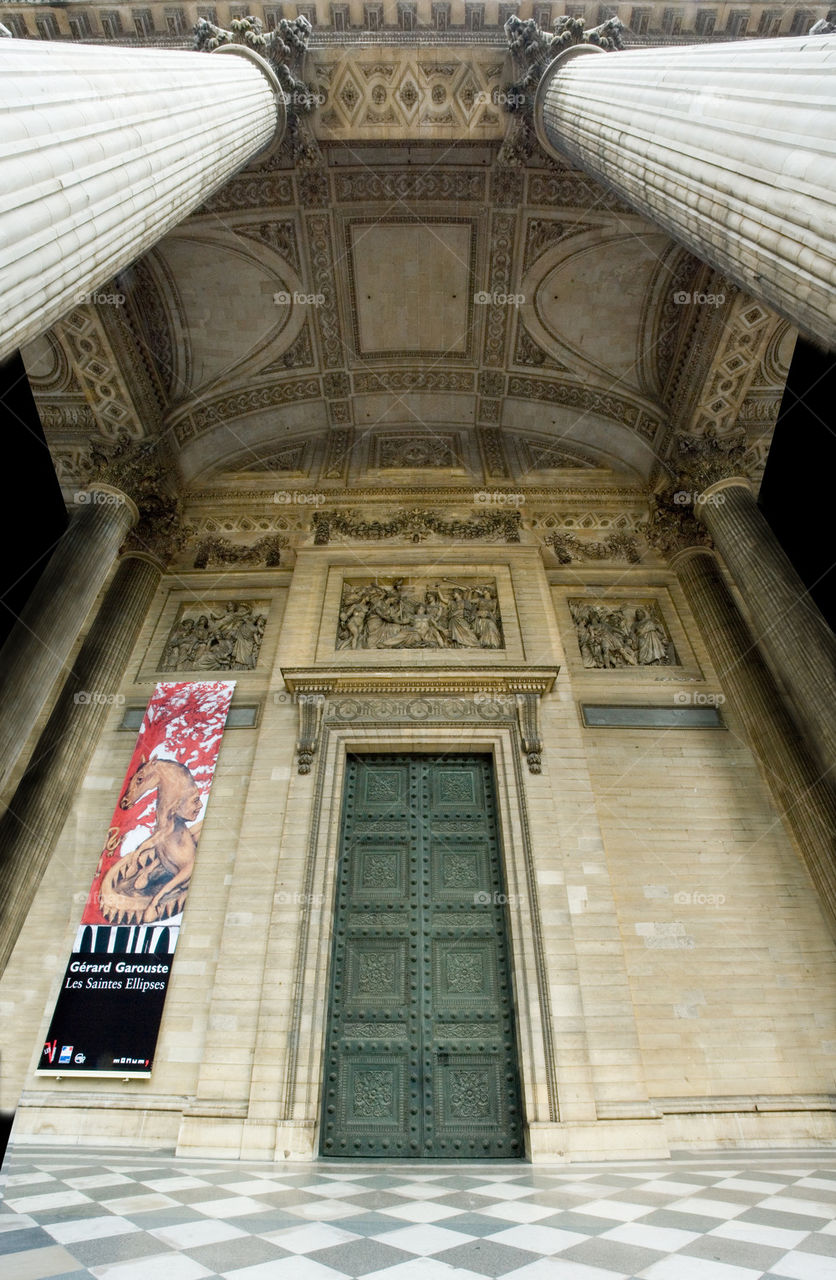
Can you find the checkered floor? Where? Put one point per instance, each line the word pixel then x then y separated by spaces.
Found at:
pixel 72 1214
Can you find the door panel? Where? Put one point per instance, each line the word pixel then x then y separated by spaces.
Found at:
pixel 421 1054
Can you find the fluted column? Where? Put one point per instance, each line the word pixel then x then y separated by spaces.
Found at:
pixel 803 796
pixel 729 147
pixel 103 150
pixel 42 638
pixel 38 810
pixel 796 641
pixel 794 636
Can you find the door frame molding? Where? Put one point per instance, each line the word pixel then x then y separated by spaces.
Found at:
pixel 300 1108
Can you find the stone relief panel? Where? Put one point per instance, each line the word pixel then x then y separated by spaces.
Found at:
pixel 221 635
pixel 404 613
pixel 622 633
pixel 405 452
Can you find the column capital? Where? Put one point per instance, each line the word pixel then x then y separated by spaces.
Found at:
pixel 280 52
pixel 134 470
pixel 707 460
pixel 532 50
pixel 672 526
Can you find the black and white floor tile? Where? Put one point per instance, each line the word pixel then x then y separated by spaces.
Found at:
pixel 73 1214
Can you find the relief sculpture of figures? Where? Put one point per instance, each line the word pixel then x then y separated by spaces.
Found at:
pixel 415 615
pixel 216 637
pixel 622 633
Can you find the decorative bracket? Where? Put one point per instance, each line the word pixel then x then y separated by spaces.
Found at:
pixel 310 699
pixel 528 718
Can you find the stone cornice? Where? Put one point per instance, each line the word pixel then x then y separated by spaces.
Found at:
pixel 509 680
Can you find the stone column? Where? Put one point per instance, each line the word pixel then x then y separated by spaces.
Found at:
pixel 103 150
pixel 794 637
pixel 726 146
pixel 42 638
pixel 805 800
pixel 39 808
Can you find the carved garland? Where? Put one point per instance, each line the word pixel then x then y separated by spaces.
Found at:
pixel 416 526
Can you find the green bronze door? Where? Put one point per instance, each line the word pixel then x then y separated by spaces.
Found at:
pixel 421 1053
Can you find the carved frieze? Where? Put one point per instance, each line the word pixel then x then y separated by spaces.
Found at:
pixel 216 636
pixel 405 613
pixel 619 634
pixel 362 185
pixel 400 380
pixel 415 526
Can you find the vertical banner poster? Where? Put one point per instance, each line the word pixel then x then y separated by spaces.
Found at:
pixel 107 1017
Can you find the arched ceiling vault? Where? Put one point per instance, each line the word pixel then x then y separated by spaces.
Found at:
pixel 405 308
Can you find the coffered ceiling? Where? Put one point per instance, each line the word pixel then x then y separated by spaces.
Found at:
pixel 430 293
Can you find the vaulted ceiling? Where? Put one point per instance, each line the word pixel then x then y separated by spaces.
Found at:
pixel 433 292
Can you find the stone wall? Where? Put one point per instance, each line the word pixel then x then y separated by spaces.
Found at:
pixel 674 977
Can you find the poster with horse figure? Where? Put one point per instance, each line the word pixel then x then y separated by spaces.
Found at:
pixel 107 1016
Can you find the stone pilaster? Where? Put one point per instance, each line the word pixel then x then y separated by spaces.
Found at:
pixel 804 798
pixel 93 174
pixel 795 639
pixel 692 138
pixel 38 810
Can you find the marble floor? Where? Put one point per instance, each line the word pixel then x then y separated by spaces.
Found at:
pixel 74 1213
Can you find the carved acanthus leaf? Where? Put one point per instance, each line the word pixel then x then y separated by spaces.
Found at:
pixel 532 49
pixel 708 458
pixel 672 525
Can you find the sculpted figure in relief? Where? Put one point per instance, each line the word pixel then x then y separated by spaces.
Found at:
pixel 622 634
pixel 227 638
pixel 400 615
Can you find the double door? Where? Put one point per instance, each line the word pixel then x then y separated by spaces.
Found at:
pixel 421 1053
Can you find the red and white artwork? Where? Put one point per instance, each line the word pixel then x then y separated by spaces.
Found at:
pixel 147 861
